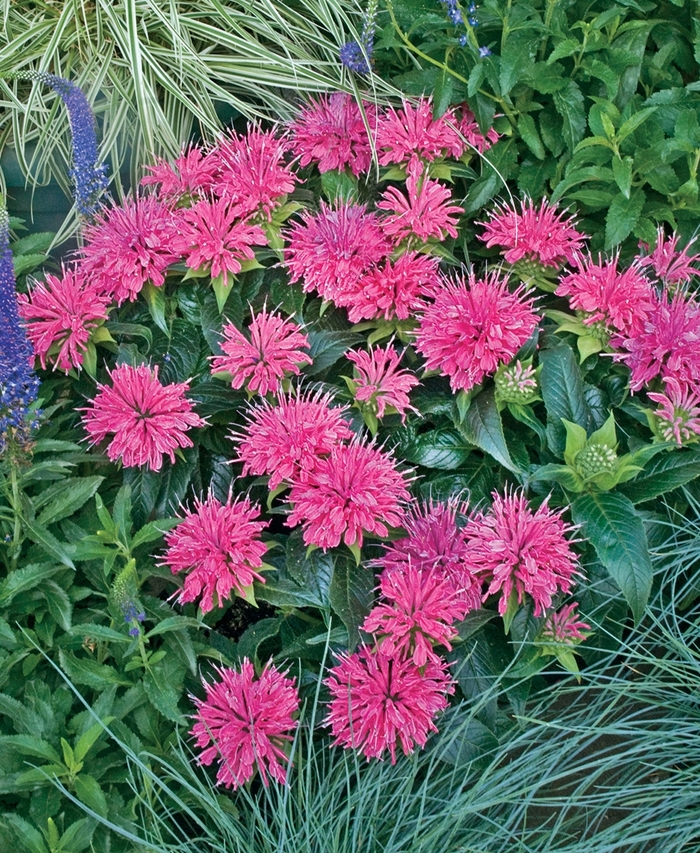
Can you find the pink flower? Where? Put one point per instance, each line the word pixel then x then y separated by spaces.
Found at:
pixel 219 547
pixel 331 132
pixel 410 136
pixel 436 546
pixel 192 174
pixel 353 491
pixel 245 722
pixel 678 416
pixel 61 315
pixel 213 238
pixel 474 326
pixel 379 703
pixel 284 439
pixel 516 383
pixel 670 265
pixel 521 552
pixel 563 626
pixel 668 345
pixel 468 127
pixel 620 301
pixel 148 420
pixel 331 250
pixel 422 607
pixel 396 290
pixel 534 234
pixel 378 381
pixel 128 246
pixel 273 352
pixel 425 213
pixel 252 172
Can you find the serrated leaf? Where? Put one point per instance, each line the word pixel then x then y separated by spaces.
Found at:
pixel 69 496
pixel 633 122
pixel 351 595
pixel 98 632
pixel 30 745
pixel 27 835
pixel 89 738
pixel 339 186
pixel 528 133
pixel 561 386
pixel 622 171
pixel 483 428
pixel 163 685
pixel 155 298
pixel 88 791
pixel 174 623
pixel 153 530
pixel 89 672
pixel 25 579
pixel 48 543
pixel 254 635
pixel 569 104
pixel 327 347
pixel 78 835
pixel 545 77
pixel 622 217
pixel 312 571
pixel 444 449
pixel 470 743
pixel 663 474
pixel 60 606
pixel 610 521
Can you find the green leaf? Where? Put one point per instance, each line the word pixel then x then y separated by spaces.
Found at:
pixel 663 474
pixel 483 428
pixel 98 632
pixel 545 77
pixel 153 531
pixel 351 595
pixel 25 579
pixel 28 836
pixel 444 449
pixel 155 297
pixel 622 217
pixel 88 791
pixel 312 571
pixel 254 635
pixel 327 347
pixel 633 122
pixel 470 743
pixel 48 543
pixel 60 606
pixel 622 170
pixel 89 672
pixel 610 521
pixel 89 738
pixel 79 834
pixel 570 106
pixel 174 623
pixel 530 136
pixel 339 186
pixel 163 685
pixel 561 386
pixel 30 745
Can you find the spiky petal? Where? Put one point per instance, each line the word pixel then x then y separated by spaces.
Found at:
pixel 244 722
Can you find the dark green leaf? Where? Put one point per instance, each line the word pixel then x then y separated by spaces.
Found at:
pixel 28 836
pixel 24 579
pixel 610 521
pixel 351 595
pixel 89 672
pixel 174 623
pixel 569 104
pixel 313 572
pixel 562 391
pixel 88 791
pixel 546 77
pixel 622 217
pixel 48 543
pixel 60 606
pixel 254 635
pixel 153 530
pixel 64 498
pixel 339 185
pixel 444 449
pixel 30 745
pixel 463 745
pixel 663 474
pixel 163 686
pixel 327 347
pixel 483 428
pixel 530 136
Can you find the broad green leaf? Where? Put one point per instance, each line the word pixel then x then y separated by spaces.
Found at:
pixel 48 543
pixel 327 347
pixel 79 834
pixel 284 592
pixel 351 595
pixel 313 571
pixel 622 217
pixel 26 578
pixel 89 672
pixel 163 685
pixel 155 298
pixel 569 104
pixel 483 428
pixel 153 530
pixel 89 738
pixel 181 353
pixel 622 170
pixel 174 623
pixel 633 122
pixel 60 605
pixel 663 474
pixel 528 132
pixel 464 745
pixel 563 49
pixel 88 791
pixel 610 521
pixel 92 631
pixel 8 640
pixel 545 77
pixel 30 745
pixel 27 835
pixel 121 514
pixel 254 635
pixel 561 387
pixel 339 186
pixel 444 449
